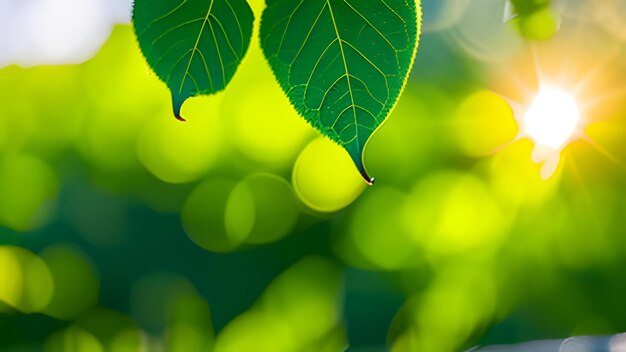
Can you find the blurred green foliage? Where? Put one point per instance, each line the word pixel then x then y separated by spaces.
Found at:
pixel 122 229
pixel 536 18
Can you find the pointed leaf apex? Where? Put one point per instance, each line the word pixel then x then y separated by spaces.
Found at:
pixel 358 162
pixel 368 179
pixel 177 105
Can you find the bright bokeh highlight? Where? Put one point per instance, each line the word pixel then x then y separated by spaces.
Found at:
pixel 25 284
pixel 324 177
pixel 485 122
pixel 56 31
pixel 178 152
pixel 451 213
pixel 515 179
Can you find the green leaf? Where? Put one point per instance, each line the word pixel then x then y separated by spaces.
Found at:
pixel 342 63
pixel 194 46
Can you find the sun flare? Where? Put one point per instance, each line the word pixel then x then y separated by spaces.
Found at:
pixel 552 118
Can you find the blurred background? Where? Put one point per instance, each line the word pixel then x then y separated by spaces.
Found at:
pixel 498 215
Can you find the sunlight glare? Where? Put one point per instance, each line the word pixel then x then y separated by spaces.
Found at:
pixel 552 118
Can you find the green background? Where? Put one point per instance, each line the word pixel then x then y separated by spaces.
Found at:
pixel 122 228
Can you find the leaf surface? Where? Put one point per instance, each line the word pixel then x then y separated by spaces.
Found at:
pixel 194 46
pixel 342 63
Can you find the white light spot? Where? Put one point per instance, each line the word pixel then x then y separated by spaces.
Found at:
pixel 618 343
pixel 552 118
pixel 52 32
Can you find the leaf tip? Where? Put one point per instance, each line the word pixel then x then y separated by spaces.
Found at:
pixel 177 105
pixel 368 179
pixel 179 118
pixel 356 154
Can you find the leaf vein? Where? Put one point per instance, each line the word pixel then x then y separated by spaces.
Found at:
pixel 225 36
pixel 161 18
pixel 204 22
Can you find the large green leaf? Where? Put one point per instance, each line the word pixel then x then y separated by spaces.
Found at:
pixel 194 46
pixel 342 63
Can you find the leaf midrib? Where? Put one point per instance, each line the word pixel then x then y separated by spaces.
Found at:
pixel 345 65
pixel 195 47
